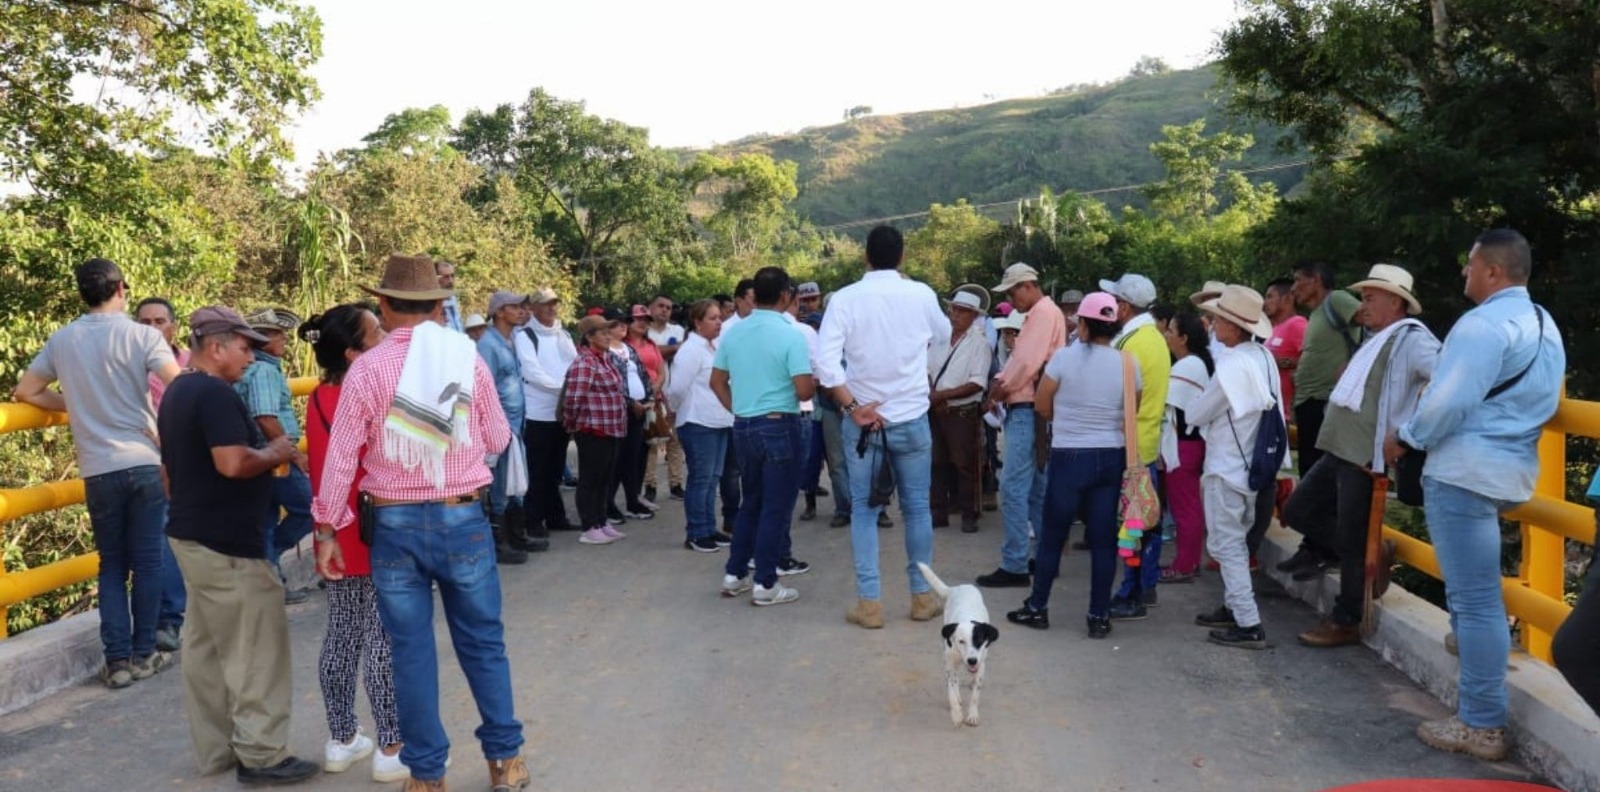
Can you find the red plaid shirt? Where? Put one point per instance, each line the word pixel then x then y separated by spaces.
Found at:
pixel 364 400
pixel 596 402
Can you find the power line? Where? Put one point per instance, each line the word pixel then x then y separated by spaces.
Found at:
pixel 1013 202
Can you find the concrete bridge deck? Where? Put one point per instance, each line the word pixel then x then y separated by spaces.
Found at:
pixel 632 674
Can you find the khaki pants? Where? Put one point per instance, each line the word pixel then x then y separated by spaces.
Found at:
pixel 236 674
pixel 675 468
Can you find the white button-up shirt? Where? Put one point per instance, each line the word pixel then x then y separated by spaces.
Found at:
pixel 689 390
pixel 968 362
pixel 881 327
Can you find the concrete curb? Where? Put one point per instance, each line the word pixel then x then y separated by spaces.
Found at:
pixel 1552 731
pixel 46 659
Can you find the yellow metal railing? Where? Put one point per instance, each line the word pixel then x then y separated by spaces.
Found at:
pixel 17 587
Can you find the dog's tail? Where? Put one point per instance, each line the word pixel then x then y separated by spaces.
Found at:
pixel 933 580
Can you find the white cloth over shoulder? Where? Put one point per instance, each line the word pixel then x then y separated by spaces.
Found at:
pixel 433 401
pixel 1352 386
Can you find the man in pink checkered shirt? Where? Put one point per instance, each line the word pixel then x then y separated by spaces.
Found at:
pixel 426 528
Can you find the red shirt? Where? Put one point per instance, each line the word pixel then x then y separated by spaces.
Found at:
pixel 597 403
pixel 324 404
pixel 1288 341
pixel 650 356
pixel 368 392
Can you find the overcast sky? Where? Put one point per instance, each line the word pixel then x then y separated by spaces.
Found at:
pixel 699 72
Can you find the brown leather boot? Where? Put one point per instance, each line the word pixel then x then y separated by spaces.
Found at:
pixel 508 775
pixel 418 785
pixel 867 613
pixel 1329 634
pixel 925 606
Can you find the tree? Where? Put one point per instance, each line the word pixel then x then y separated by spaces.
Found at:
pixel 859 111
pixel 751 193
pixel 1148 65
pixel 414 130
pixel 1454 116
pixel 952 247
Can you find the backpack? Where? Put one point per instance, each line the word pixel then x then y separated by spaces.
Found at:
pixel 1272 445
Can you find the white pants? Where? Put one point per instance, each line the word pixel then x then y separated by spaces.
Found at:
pixel 1229 514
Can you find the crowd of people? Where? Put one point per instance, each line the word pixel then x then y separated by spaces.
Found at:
pixel 437 448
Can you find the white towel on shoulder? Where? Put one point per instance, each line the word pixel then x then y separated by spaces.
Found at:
pixel 1243 379
pixel 432 404
pixel 1352 387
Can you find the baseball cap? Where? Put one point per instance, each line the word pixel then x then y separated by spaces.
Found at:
pixel 501 299
pixel 615 315
pixel 1099 305
pixel 1132 288
pixel 544 295
pixel 1015 274
pixel 1070 297
pixel 214 319
pixel 280 319
pixel 809 289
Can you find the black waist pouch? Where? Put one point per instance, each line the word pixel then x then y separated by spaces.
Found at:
pixel 366 518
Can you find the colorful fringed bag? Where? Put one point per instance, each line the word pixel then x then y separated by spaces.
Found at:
pixel 1140 509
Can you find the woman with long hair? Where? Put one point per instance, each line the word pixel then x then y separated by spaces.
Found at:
pixel 705 427
pixel 1182 448
pixel 355 637
pixel 1081 394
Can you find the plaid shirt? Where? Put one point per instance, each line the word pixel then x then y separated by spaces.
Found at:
pixel 596 402
pixel 364 400
pixel 266 393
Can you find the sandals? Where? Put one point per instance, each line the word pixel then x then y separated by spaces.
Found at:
pixel 1170 575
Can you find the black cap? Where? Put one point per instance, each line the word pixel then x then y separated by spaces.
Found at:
pixel 615 315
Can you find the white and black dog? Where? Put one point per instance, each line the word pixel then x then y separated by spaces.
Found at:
pixel 967 638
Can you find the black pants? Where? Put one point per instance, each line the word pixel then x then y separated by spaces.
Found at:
pixel 731 487
pixel 628 475
pixel 1266 501
pixel 1308 426
pixel 597 461
pixel 546 443
pixel 1331 507
pixel 1576 648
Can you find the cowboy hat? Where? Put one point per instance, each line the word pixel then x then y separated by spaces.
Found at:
pixel 1392 279
pixel 975 290
pixel 1210 291
pixel 1240 305
pixel 409 278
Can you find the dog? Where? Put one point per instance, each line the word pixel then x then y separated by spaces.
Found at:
pixel 967 638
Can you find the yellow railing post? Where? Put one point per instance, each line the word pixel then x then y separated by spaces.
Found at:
pixel 1544 552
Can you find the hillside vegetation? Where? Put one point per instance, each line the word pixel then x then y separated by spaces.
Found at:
pixel 1085 139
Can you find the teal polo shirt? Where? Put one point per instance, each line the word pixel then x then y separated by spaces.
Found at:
pixel 762 355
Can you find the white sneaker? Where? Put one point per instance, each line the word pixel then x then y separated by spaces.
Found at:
pixel 595 536
pixel 337 756
pixel 386 769
pixel 777 595
pixel 734 586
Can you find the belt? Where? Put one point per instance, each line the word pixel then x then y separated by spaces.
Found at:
pixel 1019 406
pixel 453 500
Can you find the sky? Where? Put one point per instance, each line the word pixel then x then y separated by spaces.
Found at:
pixel 701 72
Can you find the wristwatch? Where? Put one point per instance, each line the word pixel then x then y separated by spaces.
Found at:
pixel 851 407
pixel 325 537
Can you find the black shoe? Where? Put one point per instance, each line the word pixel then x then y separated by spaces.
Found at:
pixel 1080 545
pixel 792 566
pixel 1003 578
pixel 821 492
pixel 1301 557
pixel 676 492
pixel 1150 598
pixel 704 544
pixel 1027 616
pixel 288 771
pixel 1126 610
pixel 969 526
pixel 569 483
pixel 650 493
pixel 1312 569
pixel 839 521
pixel 1221 617
pixel 1099 626
pixel 521 535
pixel 614 515
pixel 810 512
pixel 883 519
pixel 639 511
pixel 505 552
pixel 1241 637
pixel 941 522
pixel 167 638
pixel 722 539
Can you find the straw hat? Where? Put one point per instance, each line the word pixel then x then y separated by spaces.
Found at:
pixel 1392 279
pixel 979 294
pixel 1210 291
pixel 1242 306
pixel 409 278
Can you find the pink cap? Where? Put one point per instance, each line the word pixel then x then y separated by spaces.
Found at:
pixel 1004 308
pixel 1098 305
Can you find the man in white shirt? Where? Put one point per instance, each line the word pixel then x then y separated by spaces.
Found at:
pixel 874 356
pixel 958 368
pixel 744 301
pixel 667 338
pixel 451 316
pixel 544 352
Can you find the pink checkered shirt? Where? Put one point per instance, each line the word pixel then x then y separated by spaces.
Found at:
pixel 368 391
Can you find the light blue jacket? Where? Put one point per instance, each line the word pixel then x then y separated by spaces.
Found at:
pixel 1490 446
pixel 501 359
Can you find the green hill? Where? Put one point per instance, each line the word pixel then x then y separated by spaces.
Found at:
pixel 1085 139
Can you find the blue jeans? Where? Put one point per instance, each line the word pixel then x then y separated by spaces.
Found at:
pixel 833 449
pixel 729 486
pixel 292 495
pixel 1149 553
pixel 908 448
pixel 1021 489
pixel 704 452
pixel 1465 528
pixel 414 546
pixel 770 457
pixel 498 500
pixel 811 433
pixel 174 595
pixel 1084 482
pixel 128 515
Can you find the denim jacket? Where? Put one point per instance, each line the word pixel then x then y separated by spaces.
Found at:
pixel 1490 445
pixel 503 365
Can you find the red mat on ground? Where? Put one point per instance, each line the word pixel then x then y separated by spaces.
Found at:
pixel 1441 785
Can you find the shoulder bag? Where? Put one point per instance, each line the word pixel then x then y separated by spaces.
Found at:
pixel 1140 509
